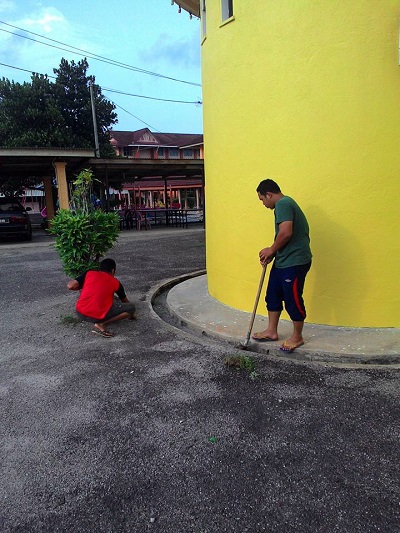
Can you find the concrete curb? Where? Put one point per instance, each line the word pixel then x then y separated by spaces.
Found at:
pixel 188 301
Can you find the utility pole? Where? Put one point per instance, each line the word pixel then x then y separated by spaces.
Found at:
pixel 96 137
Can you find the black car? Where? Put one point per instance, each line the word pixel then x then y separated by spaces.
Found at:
pixel 14 219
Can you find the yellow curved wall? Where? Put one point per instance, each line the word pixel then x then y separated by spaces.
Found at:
pixel 306 93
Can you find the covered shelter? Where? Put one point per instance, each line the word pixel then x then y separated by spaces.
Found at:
pixel 62 164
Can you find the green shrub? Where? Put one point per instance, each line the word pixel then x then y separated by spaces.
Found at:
pixel 191 202
pixel 83 235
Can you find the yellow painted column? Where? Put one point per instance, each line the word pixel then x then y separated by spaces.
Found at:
pixel 62 184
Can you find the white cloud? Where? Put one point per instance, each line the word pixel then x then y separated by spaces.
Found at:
pixel 23 50
pixel 46 22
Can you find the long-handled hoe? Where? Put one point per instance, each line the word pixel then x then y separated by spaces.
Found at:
pixel 245 344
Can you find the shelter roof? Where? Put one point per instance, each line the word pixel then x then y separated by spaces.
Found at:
pixel 117 171
pixel 144 137
pixel 38 162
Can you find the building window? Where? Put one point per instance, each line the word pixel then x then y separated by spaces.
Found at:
pixel 203 19
pixel 197 153
pixel 126 151
pixel 161 153
pixel 173 153
pixel 188 153
pixel 226 9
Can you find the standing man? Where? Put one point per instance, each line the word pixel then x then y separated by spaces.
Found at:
pixel 292 260
pixel 96 300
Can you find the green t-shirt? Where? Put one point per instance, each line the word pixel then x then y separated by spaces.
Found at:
pixel 297 251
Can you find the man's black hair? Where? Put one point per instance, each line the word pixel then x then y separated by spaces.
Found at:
pixel 268 186
pixel 108 265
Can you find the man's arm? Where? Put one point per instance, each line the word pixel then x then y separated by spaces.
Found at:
pixel 284 235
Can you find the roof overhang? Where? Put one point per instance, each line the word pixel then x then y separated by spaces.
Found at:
pixel 38 162
pixel 194 145
pixel 191 6
pixel 117 171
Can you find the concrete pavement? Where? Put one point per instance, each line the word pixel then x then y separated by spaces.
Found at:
pixel 191 303
pixel 151 430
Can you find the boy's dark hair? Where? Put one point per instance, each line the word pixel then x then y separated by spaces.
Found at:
pixel 108 265
pixel 268 186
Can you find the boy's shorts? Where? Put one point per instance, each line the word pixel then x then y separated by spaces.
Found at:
pixel 116 309
pixel 286 285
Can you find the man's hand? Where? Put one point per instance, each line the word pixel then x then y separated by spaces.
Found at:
pixel 266 256
pixel 284 235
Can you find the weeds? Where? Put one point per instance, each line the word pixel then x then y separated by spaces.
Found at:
pixel 242 362
pixel 69 320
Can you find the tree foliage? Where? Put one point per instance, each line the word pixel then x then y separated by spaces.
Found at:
pixel 15 186
pixel 56 114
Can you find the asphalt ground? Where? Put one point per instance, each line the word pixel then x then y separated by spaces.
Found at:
pixel 152 431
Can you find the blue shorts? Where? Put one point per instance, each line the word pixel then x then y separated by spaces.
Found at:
pixel 286 285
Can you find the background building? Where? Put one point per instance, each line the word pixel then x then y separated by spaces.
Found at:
pixel 185 191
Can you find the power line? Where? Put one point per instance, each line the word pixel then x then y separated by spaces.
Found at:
pixel 25 70
pixel 113 102
pixel 96 57
pixel 151 97
pixel 106 89
pixel 137 118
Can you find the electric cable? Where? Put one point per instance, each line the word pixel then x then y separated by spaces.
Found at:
pixel 96 57
pixel 137 118
pixel 107 89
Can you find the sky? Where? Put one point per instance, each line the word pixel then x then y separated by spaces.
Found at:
pixel 144 34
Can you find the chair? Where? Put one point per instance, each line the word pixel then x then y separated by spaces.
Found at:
pixel 141 218
pixel 128 219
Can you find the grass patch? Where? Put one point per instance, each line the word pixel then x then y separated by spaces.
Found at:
pixel 69 320
pixel 242 362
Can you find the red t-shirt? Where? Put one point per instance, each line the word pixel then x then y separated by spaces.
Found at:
pixel 97 294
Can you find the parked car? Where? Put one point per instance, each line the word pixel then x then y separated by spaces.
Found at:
pixel 14 219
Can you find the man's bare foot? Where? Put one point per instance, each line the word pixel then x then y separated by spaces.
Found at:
pixel 264 336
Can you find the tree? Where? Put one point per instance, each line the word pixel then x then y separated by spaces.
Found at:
pixel 13 186
pixel 55 114
pixel 72 92
pixel 29 114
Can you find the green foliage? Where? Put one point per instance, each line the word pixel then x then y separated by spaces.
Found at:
pixel 82 238
pixel 83 235
pixel 15 186
pixel 55 114
pixel 191 201
pixel 82 192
